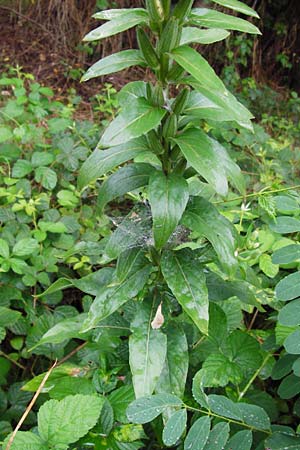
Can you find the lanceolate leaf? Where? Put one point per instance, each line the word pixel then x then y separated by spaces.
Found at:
pixel 193 34
pixel 198 434
pixel 145 409
pixel 102 161
pixel 174 427
pixel 187 282
pixel 124 180
pixel 127 20
pixel 114 63
pixel 202 217
pixel 238 6
pixel 147 350
pixel 200 154
pixel 137 119
pixel 111 14
pixel 168 196
pixel 214 19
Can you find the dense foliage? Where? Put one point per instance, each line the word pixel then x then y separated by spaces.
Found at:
pixel 172 314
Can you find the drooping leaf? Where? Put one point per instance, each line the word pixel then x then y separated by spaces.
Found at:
pixel 198 434
pixel 168 196
pixel 125 21
pixel 114 63
pixel 241 440
pixel 147 351
pixel 137 119
pixel 218 437
pixel 145 409
pixel 187 282
pixel 124 180
pixel 238 6
pixel 174 427
pixel 193 34
pixel 215 19
pixel 203 218
pixel 102 161
pixel 288 288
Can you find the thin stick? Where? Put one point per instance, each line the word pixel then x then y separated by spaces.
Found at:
pixel 29 407
pixel 12 360
pixel 72 353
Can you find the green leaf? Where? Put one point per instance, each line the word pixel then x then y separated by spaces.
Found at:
pixel 286 255
pixel 64 422
pixel 215 19
pixel 5 134
pixel 53 227
pixel 241 440
pixel 193 34
pixel 46 177
pixel 285 225
pixel 187 282
pixel 64 330
pixel 288 288
pixel 289 315
pixel 283 366
pixel 225 407
pixel 137 119
pixel 238 6
pixel 58 285
pixel 174 373
pixel 198 67
pixel 254 416
pixel 67 198
pixel 198 434
pixel 286 204
pixel 124 180
pixel 111 14
pixel 168 196
pixel 120 400
pixel 102 161
pixel 8 317
pixel 4 249
pixel 203 218
pixel 282 441
pixel 127 20
pixel 114 63
pixel 26 440
pixel 21 168
pixel 25 247
pixel 289 387
pixel 174 427
pixel 292 343
pixel 267 267
pixel 146 409
pixel 147 351
pixel 218 437
pixel 39 159
pixel 114 293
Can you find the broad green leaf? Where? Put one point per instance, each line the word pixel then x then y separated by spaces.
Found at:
pixel 114 293
pixel 25 247
pixel 147 351
pixel 124 180
pixel 132 91
pixel 219 370
pixel 8 317
pixel 267 267
pixel 58 285
pixel 201 155
pixel 65 370
pixel 5 134
pixel 46 177
pixel 114 63
pixel 218 437
pixel 198 389
pixel 285 225
pixel 244 350
pixel 26 440
pixel 39 159
pixel 127 20
pixel 201 107
pixel 120 399
pixel 286 204
pixel 202 217
pixel 174 427
pixel 137 119
pixel 215 19
pixel 288 288
pixel 292 343
pixel 286 255
pixel 64 330
pixel 168 196
pixel 225 407
pixel 4 249
pixel 146 409
pixel 102 161
pixel 283 366
pixel 198 434
pixel 198 67
pixel 255 416
pixel 282 441
pixel 193 34
pixel 21 168
pixel 64 422
pixel 111 14
pixel 91 283
pixel 174 373
pixel 241 440
pixel 238 6
pixel 289 315
pixel 289 387
pixel 187 282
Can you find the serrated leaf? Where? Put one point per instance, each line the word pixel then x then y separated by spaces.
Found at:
pixel 8 317
pixel 46 177
pixel 288 288
pixel 137 119
pixel 102 161
pixel 187 282
pixel 146 409
pixel 114 63
pixel 193 34
pixel 168 196
pixel 174 427
pixel 218 437
pixel 267 267
pixel 25 247
pixel 215 19
pixel 198 434
pixel 241 440
pixel 26 440
pixel 238 6
pixel 21 168
pixel 147 351
pixel 286 255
